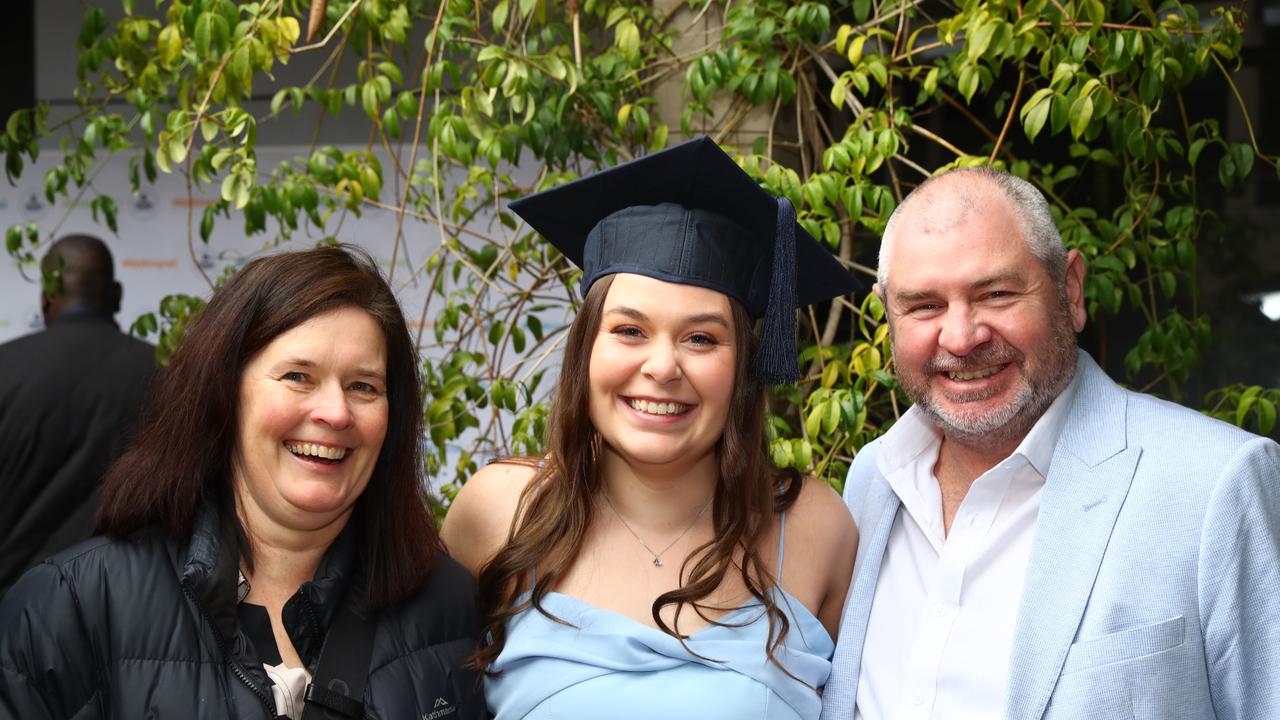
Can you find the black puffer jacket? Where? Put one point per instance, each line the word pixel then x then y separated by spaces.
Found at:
pixel 145 629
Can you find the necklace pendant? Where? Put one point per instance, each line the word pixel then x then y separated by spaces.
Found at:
pixel 657 562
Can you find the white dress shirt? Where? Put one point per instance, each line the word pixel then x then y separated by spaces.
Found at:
pixel 942 619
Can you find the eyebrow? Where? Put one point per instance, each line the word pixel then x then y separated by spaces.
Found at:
pixel 358 372
pixel 1005 278
pixel 697 319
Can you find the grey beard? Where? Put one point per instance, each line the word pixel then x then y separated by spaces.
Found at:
pixel 1012 422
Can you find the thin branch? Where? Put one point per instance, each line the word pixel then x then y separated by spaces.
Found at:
pixel 560 336
pixel 1155 188
pixel 417 137
pixel 325 40
pixel 918 50
pixel 577 34
pixel 830 72
pixel 426 301
pixel 1008 118
pixel 191 239
pixel 927 133
pixel 1244 110
pixel 977 123
pixel 1159 379
pixel 333 56
pixel 817 335
pixel 924 172
pixel 333 77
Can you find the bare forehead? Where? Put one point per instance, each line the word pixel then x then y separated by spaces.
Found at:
pixel 956 232
pixel 948 202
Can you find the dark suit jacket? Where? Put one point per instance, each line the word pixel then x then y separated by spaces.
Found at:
pixel 68 399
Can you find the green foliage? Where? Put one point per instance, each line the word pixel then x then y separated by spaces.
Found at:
pixel 175 312
pixel 1250 407
pixel 460 93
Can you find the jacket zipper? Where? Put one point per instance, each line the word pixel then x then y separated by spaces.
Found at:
pixel 222 649
pixel 312 620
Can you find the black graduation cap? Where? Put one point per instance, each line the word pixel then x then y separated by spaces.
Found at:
pixel 690 215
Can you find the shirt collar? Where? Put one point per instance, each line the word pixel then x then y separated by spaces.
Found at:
pixel 1038 446
pixel 909 438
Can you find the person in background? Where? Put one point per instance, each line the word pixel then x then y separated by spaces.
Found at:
pixel 654 564
pixel 1040 543
pixel 268 550
pixel 69 397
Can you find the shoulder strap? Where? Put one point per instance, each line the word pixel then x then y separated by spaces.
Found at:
pixel 336 691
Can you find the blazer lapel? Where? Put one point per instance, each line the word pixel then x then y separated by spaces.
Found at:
pixel 1088 481
pixel 841 691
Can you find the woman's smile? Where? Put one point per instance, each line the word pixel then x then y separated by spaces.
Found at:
pixel 658 408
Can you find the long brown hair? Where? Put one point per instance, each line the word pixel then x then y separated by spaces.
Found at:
pixel 555 509
pixel 181 458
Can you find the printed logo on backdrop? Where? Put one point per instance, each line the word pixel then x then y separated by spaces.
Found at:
pixel 32 203
pixel 137 263
pixel 181 202
pixel 143 207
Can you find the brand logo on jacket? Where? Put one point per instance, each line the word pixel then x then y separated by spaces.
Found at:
pixel 442 709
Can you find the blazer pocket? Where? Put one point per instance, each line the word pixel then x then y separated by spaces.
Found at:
pixel 1124 645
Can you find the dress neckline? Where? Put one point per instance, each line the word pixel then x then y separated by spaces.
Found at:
pixel 798 610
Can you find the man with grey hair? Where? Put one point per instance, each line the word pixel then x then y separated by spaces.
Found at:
pixel 68 397
pixel 1037 542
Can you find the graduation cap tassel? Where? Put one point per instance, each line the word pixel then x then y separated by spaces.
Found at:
pixel 775 360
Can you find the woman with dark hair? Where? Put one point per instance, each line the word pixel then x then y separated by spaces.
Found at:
pixel 654 563
pixel 268 551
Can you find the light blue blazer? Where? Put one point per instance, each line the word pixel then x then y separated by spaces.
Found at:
pixel 1153 590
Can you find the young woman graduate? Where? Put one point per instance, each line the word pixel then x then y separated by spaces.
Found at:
pixel 654 563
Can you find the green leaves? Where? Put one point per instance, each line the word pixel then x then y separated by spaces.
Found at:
pixel 105 206
pixel 841 119
pixel 1080 115
pixel 1235 165
pixel 1248 406
pixel 1036 111
pixel 626 36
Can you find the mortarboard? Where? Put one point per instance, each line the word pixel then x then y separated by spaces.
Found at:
pixel 690 215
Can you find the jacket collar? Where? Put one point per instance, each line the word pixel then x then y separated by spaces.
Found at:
pixel 212 566
pixel 81 314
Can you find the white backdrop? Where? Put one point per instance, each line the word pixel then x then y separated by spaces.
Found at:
pixel 151 254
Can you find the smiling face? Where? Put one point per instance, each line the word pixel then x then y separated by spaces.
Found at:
pixel 661 371
pixel 313 414
pixel 983 337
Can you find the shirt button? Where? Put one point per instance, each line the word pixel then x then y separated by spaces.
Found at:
pixel 917 699
pixel 940 610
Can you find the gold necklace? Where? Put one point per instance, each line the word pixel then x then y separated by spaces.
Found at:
pixel 657 556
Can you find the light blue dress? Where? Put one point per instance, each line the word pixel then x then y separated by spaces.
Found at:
pixel 607 665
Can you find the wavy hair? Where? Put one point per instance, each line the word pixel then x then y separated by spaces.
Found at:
pixel 556 507
pixel 181 457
